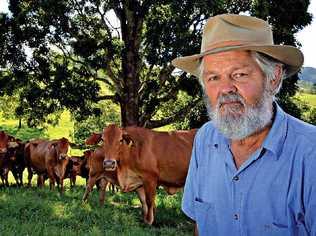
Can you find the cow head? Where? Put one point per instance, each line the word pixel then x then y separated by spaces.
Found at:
pixel 121 150
pixel 94 139
pixel 8 143
pixel 77 162
pixel 4 139
pixel 61 147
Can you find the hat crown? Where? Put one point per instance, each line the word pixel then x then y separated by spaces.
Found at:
pixel 231 30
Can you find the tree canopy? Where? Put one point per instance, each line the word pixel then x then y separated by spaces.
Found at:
pixel 59 54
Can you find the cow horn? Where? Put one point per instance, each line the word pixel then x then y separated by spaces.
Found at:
pixel 13 144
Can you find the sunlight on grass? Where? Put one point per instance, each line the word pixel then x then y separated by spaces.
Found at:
pixel 309 98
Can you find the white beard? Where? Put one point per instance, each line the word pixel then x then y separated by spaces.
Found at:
pixel 239 120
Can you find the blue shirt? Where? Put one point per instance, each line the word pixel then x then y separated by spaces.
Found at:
pixel 272 193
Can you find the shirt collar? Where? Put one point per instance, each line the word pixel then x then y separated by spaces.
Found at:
pixel 277 134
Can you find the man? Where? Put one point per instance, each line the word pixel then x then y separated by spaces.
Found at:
pixel 253 167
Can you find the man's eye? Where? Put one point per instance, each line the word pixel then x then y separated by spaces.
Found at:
pixel 239 76
pixel 212 78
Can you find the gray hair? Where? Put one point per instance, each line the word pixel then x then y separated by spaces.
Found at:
pixel 267 65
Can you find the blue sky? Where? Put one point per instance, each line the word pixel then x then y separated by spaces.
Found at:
pixel 306 37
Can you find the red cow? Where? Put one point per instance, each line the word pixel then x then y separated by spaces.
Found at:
pixel 141 156
pixel 98 176
pixel 47 159
pixel 78 166
pixel 11 158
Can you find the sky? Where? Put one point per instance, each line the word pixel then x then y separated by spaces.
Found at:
pixel 306 37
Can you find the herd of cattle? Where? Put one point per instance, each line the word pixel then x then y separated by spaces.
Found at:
pixel 132 158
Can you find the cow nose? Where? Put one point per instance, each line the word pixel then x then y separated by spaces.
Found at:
pixel 109 165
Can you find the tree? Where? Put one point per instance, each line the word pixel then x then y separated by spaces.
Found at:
pixel 60 53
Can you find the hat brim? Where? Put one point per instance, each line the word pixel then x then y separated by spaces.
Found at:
pixel 291 56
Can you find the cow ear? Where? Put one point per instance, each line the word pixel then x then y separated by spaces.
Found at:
pixel 129 140
pixel 53 145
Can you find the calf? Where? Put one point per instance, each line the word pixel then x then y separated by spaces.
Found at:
pixel 142 157
pixel 47 158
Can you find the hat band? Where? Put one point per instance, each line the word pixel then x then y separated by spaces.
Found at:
pixel 230 43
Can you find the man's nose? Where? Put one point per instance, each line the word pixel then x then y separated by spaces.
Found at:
pixel 227 85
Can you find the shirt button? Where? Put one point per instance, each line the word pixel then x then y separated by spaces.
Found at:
pixel 236 178
pixel 236 216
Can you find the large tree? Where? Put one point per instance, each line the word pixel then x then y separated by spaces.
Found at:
pixel 59 53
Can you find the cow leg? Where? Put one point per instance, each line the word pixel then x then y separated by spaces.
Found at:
pixel 61 186
pixel 5 176
pixel 40 180
pixel 51 177
pixel 142 197
pixel 150 193
pixel 91 182
pixel 29 176
pixel 72 181
pixel 102 184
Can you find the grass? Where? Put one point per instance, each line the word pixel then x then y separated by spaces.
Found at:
pixel 40 211
pixel 309 98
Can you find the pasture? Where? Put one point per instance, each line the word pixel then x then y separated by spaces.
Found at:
pixel 39 211
pixel 34 211
pixel 308 98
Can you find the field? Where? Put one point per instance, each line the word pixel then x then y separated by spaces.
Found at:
pixel 34 211
pixel 309 98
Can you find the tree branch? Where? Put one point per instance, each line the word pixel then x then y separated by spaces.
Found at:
pixel 151 124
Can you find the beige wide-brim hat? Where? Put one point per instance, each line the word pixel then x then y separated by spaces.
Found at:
pixel 229 32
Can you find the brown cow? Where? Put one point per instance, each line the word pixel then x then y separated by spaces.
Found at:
pixel 98 176
pixel 144 157
pixel 47 159
pixel 11 158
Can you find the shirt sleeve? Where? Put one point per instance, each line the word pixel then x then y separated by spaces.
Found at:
pixel 190 186
pixel 310 195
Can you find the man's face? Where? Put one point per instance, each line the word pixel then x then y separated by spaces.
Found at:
pixel 237 92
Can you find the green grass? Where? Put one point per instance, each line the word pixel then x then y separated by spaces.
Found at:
pixel 40 211
pixel 309 98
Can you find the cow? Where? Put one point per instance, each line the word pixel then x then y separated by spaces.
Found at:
pixel 98 176
pixel 11 158
pixel 78 166
pixel 48 159
pixel 143 157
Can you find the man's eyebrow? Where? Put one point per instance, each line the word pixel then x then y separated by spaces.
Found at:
pixel 212 72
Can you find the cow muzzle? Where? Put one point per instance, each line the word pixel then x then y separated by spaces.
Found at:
pixel 62 156
pixel 110 165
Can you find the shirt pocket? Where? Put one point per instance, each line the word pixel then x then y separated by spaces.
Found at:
pixel 205 218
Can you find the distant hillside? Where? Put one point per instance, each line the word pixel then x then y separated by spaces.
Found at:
pixel 308 74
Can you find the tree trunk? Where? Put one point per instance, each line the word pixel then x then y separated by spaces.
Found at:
pixel 131 26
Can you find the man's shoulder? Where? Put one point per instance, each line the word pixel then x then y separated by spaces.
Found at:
pixel 207 130
pixel 301 130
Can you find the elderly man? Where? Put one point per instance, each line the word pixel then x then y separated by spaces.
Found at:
pixel 253 167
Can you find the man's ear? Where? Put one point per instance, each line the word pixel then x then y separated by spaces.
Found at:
pixel 278 71
pixel 128 140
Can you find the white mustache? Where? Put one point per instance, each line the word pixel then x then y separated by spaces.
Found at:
pixel 231 97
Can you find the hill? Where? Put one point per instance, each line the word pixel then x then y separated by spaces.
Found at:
pixel 308 74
